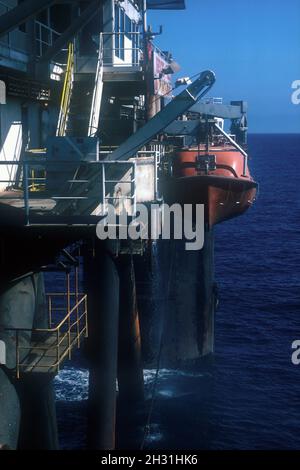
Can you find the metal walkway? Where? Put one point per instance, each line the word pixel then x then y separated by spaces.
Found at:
pixel 49 347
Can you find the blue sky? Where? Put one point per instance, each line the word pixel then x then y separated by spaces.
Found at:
pixel 253 46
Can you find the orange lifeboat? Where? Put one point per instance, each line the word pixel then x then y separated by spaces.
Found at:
pixel 219 179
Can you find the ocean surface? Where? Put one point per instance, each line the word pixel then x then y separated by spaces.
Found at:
pixel 249 396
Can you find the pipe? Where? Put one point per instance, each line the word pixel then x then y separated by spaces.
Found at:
pixel 144 14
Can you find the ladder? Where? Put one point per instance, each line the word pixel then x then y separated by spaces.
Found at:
pixel 67 94
pixel 97 95
pixel 80 108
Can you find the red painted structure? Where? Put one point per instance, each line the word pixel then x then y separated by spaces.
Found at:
pixel 219 179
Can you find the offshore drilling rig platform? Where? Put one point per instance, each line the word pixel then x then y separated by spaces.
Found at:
pixel 88 123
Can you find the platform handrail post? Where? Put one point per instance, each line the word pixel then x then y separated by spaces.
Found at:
pixel 245 166
pixel 156 159
pixel 77 306
pixel 86 317
pixel 103 188
pixel 58 349
pixel 50 310
pixel 26 192
pixel 69 315
pixel 134 188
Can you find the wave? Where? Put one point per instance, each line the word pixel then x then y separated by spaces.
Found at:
pixel 71 384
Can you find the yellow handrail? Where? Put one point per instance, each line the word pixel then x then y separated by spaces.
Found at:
pixel 64 321
pixel 66 94
pixel 80 323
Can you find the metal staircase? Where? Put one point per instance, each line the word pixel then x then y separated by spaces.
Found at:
pixel 67 94
pixel 80 104
pixel 97 95
pixel 79 109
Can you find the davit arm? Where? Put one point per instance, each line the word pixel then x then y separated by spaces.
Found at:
pixel 180 104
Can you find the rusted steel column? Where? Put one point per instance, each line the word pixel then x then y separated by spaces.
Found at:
pixel 130 370
pixel 102 280
pixel 210 296
pixel 182 300
pixel 189 335
pixel 151 299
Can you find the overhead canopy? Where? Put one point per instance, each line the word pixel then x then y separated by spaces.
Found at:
pixel 166 4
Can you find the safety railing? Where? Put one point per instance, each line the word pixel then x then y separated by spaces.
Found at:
pixel 97 94
pixel 4 9
pixel 232 142
pixel 129 181
pixel 42 186
pixel 66 94
pixel 45 37
pixel 122 49
pixel 63 181
pixel 153 151
pixel 49 347
pixel 44 349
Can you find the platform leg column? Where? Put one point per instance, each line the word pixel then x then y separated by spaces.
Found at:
pixel 209 295
pixel 130 370
pixel 10 412
pixel 189 291
pixel 39 423
pixel 190 334
pixel 103 309
pixel 17 300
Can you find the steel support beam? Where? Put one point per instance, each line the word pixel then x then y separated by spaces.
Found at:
pixel 22 13
pixel 179 105
pixel 224 111
pixel 183 127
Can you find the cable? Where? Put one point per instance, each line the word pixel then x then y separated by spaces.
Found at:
pixel 159 355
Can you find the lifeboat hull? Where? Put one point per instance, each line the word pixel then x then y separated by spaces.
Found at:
pixel 222 197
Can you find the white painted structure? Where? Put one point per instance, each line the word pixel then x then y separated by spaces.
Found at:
pixel 122 37
pixel 2 353
pixel 10 140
